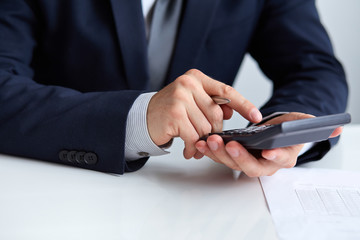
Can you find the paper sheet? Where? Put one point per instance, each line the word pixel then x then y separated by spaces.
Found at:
pixel 314 203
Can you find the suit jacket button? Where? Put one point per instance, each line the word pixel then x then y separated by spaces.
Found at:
pixel 71 156
pixel 90 158
pixel 63 155
pixel 79 157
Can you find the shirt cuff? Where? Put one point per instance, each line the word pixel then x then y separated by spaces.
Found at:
pixel 138 143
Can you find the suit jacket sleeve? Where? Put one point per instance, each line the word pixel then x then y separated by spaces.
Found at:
pixel 44 122
pixel 293 49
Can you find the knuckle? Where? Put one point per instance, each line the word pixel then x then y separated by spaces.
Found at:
pixel 193 138
pixel 183 78
pixel 187 82
pixel 226 90
pixel 218 115
pixel 178 97
pixel 193 71
pixel 190 137
pixel 205 129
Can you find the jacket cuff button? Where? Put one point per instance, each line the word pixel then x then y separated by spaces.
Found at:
pixel 79 157
pixel 90 158
pixel 63 155
pixel 71 156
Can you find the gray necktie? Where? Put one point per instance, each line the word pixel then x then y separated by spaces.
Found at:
pixel 162 40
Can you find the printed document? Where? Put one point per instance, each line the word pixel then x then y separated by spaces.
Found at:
pixel 308 203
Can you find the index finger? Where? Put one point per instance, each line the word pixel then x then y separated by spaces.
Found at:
pixel 237 101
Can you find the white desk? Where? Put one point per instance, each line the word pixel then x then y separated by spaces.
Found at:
pixel 170 198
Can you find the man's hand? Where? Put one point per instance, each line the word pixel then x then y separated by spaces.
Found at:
pixel 185 109
pixel 235 156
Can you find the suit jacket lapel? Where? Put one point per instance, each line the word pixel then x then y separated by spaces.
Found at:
pixel 194 27
pixel 130 28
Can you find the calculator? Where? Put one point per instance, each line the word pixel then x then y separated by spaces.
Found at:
pixel 286 133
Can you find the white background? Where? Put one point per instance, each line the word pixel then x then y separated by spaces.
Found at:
pixel 341 18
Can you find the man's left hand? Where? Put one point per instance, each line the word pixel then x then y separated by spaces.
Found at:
pixel 237 157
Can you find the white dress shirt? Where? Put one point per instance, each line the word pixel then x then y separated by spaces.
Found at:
pixel 146 6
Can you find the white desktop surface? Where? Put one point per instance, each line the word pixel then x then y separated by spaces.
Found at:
pixel 170 198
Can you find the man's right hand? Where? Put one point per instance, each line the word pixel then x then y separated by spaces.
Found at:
pixel 185 109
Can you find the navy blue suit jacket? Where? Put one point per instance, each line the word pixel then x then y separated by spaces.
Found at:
pixel 71 69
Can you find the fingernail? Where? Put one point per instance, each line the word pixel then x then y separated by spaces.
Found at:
pixel 255 115
pixel 233 152
pixel 200 149
pixel 213 145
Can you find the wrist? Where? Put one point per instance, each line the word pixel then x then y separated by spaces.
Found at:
pixel 138 143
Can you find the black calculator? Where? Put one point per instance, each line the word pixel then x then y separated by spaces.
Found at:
pixel 287 133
